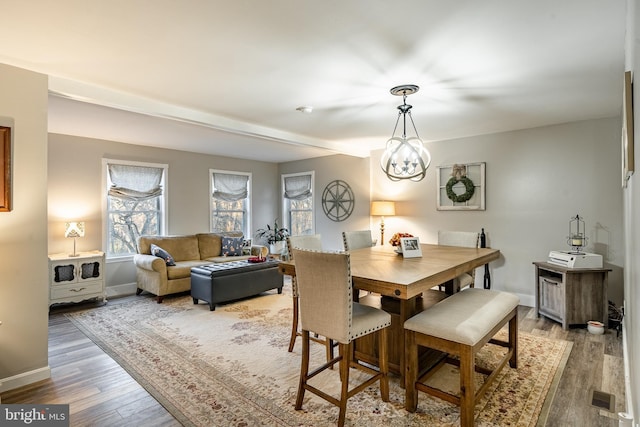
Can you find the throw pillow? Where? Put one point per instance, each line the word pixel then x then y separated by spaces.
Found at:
pixel 161 253
pixel 232 246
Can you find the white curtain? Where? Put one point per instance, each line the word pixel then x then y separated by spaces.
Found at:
pixel 297 187
pixel 135 182
pixel 230 188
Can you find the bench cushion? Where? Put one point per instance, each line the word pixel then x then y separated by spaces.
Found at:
pixel 465 317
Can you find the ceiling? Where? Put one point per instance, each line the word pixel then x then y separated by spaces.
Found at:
pixel 225 78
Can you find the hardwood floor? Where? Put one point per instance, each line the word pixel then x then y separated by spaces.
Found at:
pixel 101 393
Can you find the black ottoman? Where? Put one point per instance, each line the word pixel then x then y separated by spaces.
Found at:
pixel 228 281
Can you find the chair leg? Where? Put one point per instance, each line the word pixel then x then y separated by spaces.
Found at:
pixel 513 340
pixel 329 349
pixel 411 371
pixel 346 351
pixel 384 363
pixel 294 326
pixel 304 369
pixel 467 386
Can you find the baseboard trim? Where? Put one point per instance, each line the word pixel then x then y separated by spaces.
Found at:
pixel 627 374
pixel 25 378
pixel 527 300
pixel 121 290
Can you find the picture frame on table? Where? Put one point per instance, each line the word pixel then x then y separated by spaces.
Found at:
pixel 411 247
pixel 5 169
pixel 628 165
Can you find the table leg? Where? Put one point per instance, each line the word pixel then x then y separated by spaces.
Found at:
pixel 400 310
pixel 408 308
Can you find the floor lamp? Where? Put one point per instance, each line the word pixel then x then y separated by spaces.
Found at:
pixel 382 208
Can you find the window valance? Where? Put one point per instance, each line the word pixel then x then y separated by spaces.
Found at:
pixel 297 187
pixel 135 182
pixel 230 188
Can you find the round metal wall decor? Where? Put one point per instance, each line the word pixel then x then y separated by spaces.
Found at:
pixel 338 200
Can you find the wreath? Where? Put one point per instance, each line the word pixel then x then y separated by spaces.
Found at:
pixel 468 186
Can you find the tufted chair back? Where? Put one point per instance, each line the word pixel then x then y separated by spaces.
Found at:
pixel 305 241
pixel 353 240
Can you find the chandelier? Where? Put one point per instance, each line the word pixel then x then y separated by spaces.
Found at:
pixel 405 157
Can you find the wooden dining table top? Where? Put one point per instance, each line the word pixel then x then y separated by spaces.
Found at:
pixel 380 269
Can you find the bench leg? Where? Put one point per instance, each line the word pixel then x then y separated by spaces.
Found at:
pixel 467 386
pixel 411 371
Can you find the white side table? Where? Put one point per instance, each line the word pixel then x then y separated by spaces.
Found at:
pixel 76 279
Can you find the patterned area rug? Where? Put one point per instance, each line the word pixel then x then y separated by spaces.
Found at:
pixel 230 367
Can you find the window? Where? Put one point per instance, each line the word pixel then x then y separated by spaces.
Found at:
pixel 230 201
pixel 298 202
pixel 135 204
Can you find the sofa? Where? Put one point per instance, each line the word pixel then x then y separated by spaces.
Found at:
pixel 154 275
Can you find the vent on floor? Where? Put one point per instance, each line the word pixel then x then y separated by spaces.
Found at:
pixel 603 400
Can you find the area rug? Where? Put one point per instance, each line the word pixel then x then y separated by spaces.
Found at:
pixel 230 367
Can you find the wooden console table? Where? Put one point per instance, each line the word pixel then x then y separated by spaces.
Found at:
pixel 571 296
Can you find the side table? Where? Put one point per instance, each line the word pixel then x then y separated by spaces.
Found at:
pixel 75 279
pixel 571 296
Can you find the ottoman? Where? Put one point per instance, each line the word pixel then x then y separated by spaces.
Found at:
pixel 227 281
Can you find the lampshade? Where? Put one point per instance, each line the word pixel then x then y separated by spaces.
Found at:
pixel 405 157
pixel 383 208
pixel 74 229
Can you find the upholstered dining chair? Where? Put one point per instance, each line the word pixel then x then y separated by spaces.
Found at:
pixel 327 308
pixel 313 242
pixel 356 239
pixel 466 239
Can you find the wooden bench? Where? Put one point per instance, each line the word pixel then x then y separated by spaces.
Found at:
pixel 460 326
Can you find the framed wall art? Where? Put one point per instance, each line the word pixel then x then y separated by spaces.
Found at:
pixel 461 187
pixel 5 169
pixel 627 129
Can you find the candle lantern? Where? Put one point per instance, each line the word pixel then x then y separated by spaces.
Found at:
pixel 577 238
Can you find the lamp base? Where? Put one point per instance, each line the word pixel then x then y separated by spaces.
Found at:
pixel 74 255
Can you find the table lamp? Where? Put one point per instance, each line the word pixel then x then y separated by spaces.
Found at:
pixel 74 229
pixel 382 208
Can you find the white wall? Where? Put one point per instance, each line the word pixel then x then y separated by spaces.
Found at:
pixel 631 329
pixel 536 180
pixel 23 233
pixel 352 170
pixel 75 192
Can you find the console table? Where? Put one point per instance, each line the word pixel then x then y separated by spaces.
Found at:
pixel 75 279
pixel 571 296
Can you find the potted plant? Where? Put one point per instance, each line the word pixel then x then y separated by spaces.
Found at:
pixel 274 236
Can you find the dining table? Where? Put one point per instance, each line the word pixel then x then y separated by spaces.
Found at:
pixel 403 287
